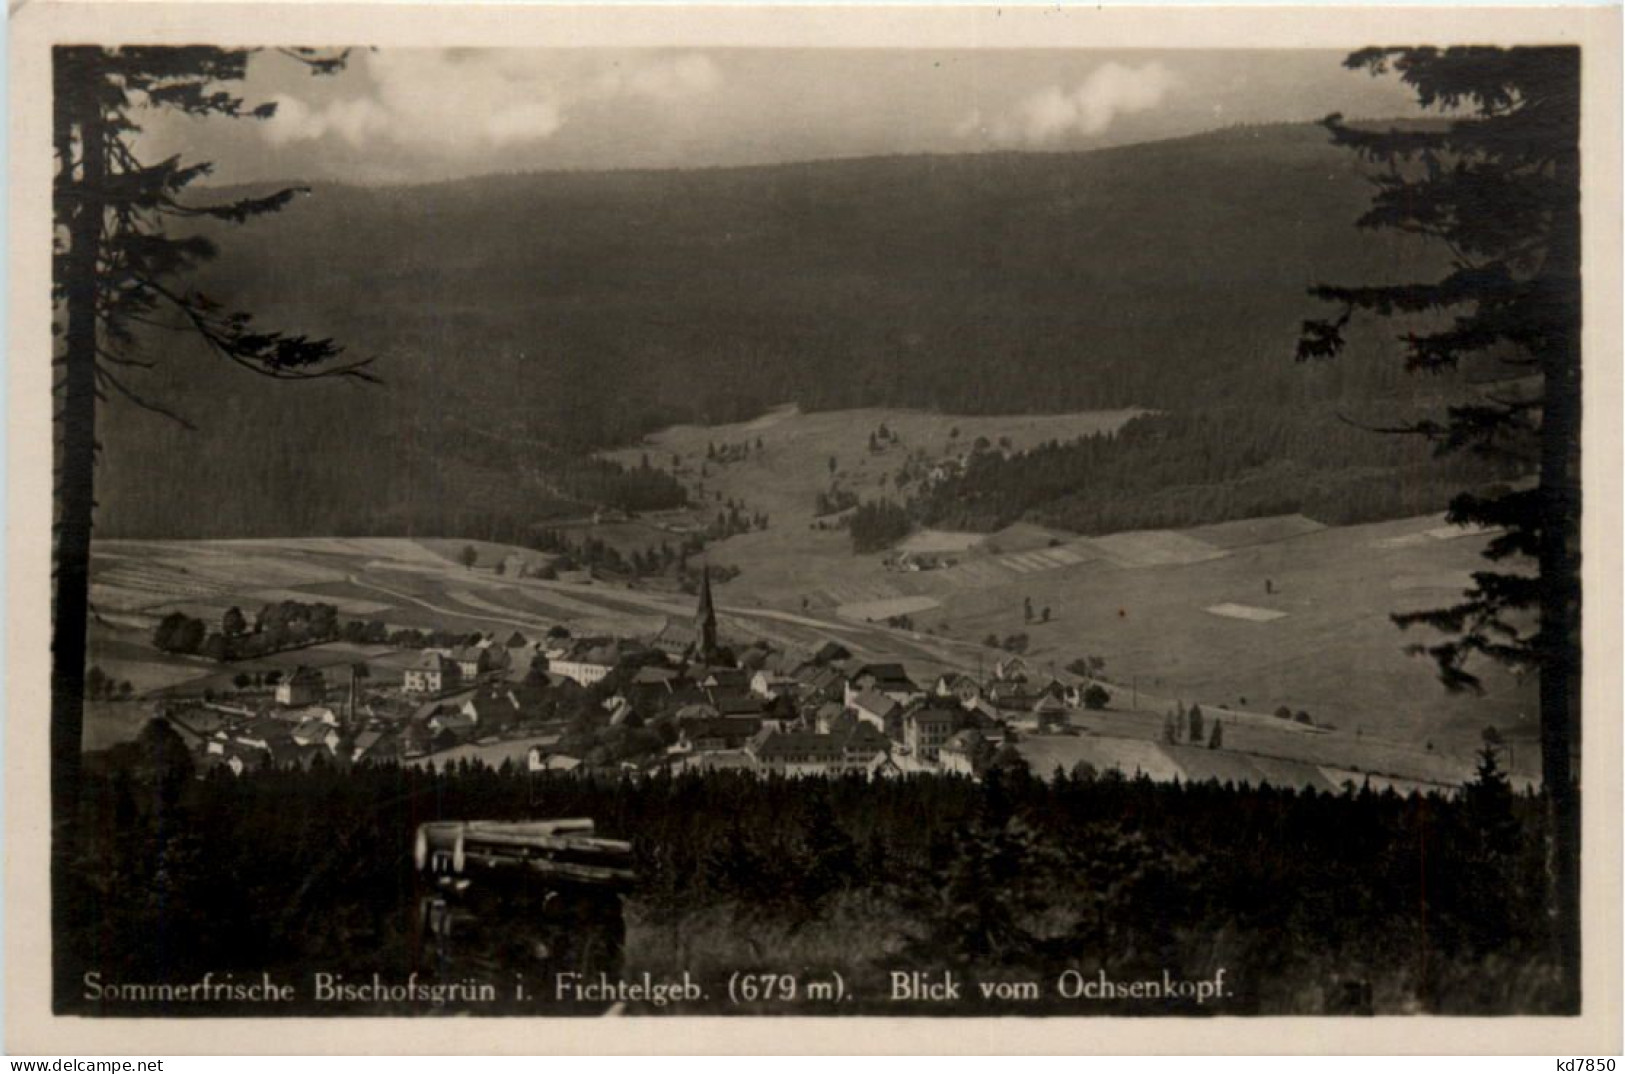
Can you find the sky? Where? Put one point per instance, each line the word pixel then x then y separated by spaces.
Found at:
pixel 423 115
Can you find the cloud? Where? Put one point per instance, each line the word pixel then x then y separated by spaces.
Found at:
pixel 453 102
pixel 670 80
pixel 1055 114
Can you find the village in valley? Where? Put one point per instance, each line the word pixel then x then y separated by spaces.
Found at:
pixel 684 698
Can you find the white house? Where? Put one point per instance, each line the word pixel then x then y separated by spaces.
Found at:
pixel 432 673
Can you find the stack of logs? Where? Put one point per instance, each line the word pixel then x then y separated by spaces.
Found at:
pixel 564 850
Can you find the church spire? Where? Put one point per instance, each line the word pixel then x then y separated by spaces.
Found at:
pixel 705 618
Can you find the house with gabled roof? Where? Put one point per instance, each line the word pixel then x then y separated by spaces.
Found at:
pixel 1052 713
pixel 821 683
pixel 1012 669
pixel 877 709
pixel 431 673
pixel 492 710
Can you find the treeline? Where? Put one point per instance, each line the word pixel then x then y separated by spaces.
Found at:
pixel 1315 903
pixel 591 480
pixel 877 524
pixel 287 624
pixel 1191 468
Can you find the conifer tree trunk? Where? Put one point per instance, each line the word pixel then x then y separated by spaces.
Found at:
pixel 76 112
pixel 76 449
pixel 1560 676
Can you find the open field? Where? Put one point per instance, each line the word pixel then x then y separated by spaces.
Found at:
pixel 940 541
pixel 794 463
pixel 1188 630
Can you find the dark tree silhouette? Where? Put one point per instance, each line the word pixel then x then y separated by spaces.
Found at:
pixel 1498 186
pixel 117 276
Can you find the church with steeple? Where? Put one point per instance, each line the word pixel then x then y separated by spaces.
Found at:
pixel 696 641
pixel 705 622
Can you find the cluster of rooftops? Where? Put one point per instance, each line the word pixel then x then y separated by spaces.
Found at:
pixel 752 706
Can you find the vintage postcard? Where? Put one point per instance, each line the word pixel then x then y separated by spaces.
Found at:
pixel 643 529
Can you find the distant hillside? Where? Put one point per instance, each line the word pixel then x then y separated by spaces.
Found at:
pixel 522 319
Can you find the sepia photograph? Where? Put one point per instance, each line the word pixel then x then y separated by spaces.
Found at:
pixel 936 528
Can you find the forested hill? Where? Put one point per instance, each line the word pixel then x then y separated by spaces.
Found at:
pixel 521 319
